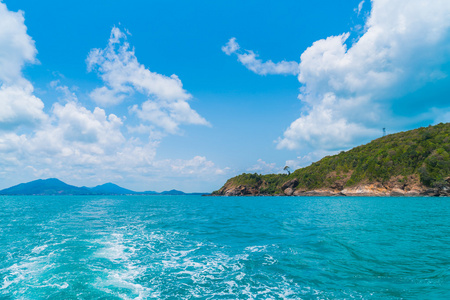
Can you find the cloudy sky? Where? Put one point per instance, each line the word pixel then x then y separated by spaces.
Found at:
pixel 155 95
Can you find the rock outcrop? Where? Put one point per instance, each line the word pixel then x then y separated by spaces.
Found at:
pixel 241 190
pixel 395 187
pixel 289 187
pixel 238 191
pixel 410 163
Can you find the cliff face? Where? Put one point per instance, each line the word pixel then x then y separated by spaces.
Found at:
pixel 411 163
pixel 391 188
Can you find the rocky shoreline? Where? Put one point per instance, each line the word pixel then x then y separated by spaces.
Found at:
pixel 391 188
pixel 409 163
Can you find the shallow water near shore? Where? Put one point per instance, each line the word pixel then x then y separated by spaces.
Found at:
pixel 183 247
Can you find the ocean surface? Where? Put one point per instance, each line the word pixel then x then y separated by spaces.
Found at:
pixel 186 247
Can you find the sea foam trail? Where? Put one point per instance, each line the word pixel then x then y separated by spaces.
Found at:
pixel 32 270
pixel 163 264
pixel 217 248
pixel 123 271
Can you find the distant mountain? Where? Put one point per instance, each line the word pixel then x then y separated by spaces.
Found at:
pixel 148 193
pixel 180 193
pixel 111 188
pixel 51 186
pixel 173 192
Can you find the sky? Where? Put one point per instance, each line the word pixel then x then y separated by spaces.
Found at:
pixel 159 95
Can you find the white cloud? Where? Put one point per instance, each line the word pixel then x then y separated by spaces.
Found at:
pixel 77 136
pixel 360 6
pixel 123 74
pixel 19 107
pixel 198 166
pixel 106 97
pixel 18 104
pixel 87 146
pixel 250 61
pixel 16 46
pixel 349 92
pixel 263 167
pixel 321 129
pixel 167 105
pixel 75 142
pixel 308 159
pixel 231 47
pixel 81 125
pixel 168 115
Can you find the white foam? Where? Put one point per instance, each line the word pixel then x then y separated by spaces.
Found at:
pixel 62 286
pixel 269 260
pixel 24 271
pixel 256 248
pixel 196 269
pixel 240 276
pixel 121 251
pixel 115 250
pixel 39 249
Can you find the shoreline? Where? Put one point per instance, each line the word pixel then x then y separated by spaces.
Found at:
pixel 366 190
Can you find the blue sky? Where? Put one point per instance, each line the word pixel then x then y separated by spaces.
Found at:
pixel 88 94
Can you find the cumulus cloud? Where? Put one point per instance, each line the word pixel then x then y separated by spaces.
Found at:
pixel 350 92
pixel 86 145
pixel 19 107
pixel 168 115
pixel 251 61
pixel 18 104
pixel 81 144
pixel 117 65
pixel 77 124
pixel 263 167
pixel 75 135
pixel 16 46
pixel 198 165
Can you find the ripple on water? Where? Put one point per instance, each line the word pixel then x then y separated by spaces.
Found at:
pixel 137 265
pixel 216 248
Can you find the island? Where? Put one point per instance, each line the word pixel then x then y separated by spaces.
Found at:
pixel 54 186
pixel 410 163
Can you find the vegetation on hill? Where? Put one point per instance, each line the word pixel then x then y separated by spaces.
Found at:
pixel 53 186
pixel 420 153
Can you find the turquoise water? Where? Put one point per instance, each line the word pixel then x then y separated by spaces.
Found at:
pixel 184 247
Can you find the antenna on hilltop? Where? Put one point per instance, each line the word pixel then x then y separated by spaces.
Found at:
pixel 384 131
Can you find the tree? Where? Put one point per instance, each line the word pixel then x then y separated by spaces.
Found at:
pixel 287 169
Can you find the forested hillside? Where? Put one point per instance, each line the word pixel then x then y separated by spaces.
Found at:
pixel 416 160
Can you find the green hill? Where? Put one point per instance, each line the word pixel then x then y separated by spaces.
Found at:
pixel 111 189
pixel 51 186
pixel 411 162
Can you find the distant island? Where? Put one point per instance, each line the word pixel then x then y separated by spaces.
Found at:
pixel 53 186
pixel 410 163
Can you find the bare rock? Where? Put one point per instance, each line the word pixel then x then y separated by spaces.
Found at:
pixel 290 184
pixel 433 192
pixel 289 191
pixel 299 192
pixel 413 192
pixel 241 190
pixel 366 190
pixel 397 192
pixel 319 192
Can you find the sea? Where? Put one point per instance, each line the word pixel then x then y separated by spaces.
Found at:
pixel 194 247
